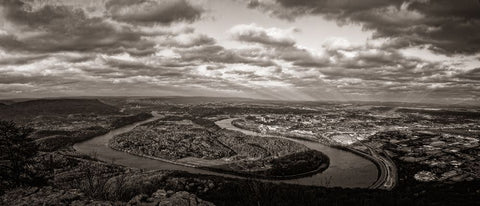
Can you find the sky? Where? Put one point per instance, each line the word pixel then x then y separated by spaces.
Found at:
pixel 307 50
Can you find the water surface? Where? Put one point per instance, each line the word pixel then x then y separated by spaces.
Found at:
pixel 345 170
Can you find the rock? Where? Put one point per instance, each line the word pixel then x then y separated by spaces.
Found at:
pixel 69 197
pixel 138 200
pixel 92 203
pixel 160 194
pixel 160 198
pixel 47 196
pixel 184 198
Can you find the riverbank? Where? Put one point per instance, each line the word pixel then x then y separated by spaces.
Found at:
pixel 324 163
pixel 387 175
pixel 185 143
pixel 344 164
pixel 345 169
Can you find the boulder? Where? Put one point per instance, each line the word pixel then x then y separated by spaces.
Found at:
pixel 184 198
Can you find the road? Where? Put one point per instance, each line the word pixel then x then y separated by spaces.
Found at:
pixel 388 176
pixel 347 167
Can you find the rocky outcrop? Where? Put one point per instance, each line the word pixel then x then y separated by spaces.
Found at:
pixel 54 196
pixel 168 198
pixel 41 196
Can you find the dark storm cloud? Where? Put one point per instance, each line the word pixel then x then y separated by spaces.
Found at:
pixel 153 11
pixel 295 8
pixel 19 60
pixel 61 28
pixel 473 74
pixel 444 26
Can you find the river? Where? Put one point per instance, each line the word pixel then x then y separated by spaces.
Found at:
pixel 346 169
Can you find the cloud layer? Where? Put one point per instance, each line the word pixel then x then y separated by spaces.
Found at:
pixel 444 26
pixel 152 47
pixel 150 11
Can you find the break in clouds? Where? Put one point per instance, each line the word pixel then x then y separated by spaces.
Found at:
pixel 416 50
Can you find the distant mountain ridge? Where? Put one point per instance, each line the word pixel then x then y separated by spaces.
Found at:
pixel 55 107
pixel 200 99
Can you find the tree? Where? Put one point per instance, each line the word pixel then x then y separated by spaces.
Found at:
pixel 16 151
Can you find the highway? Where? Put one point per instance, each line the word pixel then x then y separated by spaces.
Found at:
pixel 388 175
pixel 387 171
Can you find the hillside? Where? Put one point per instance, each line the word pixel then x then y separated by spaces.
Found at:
pixel 55 107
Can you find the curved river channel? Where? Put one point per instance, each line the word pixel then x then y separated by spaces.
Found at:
pixel 346 169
